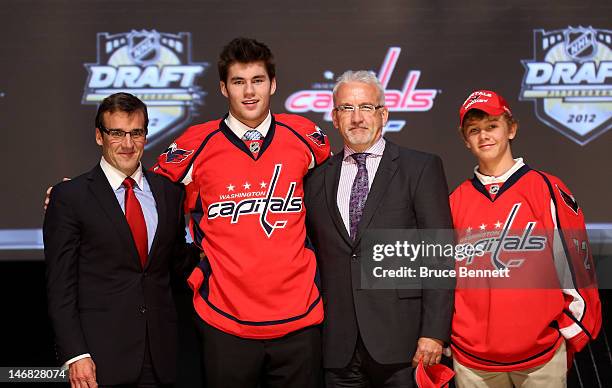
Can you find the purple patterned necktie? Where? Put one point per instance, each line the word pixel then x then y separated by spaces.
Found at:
pixel 359 192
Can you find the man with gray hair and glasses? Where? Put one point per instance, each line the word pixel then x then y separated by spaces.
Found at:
pixel 374 337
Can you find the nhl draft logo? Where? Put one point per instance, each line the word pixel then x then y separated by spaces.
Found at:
pixel 569 81
pixel 154 66
pixel 319 98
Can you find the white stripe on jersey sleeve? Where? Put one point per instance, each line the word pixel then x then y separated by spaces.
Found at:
pixel 577 306
pixel 187 180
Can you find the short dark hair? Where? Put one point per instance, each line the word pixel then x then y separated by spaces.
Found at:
pixel 477 114
pixel 245 50
pixel 121 102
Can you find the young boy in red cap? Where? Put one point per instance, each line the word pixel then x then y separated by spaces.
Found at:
pixel 521 330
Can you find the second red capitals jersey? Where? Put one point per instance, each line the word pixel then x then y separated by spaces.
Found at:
pixel 531 226
pixel 260 277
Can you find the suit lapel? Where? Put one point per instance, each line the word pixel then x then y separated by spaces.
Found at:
pixel 103 192
pixel 332 179
pixel 382 180
pixel 159 194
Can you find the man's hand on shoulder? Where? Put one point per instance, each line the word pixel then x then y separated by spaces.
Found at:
pixel 48 194
pixel 429 350
pixel 83 373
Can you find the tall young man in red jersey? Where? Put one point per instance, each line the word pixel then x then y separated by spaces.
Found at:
pixel 257 292
pixel 527 222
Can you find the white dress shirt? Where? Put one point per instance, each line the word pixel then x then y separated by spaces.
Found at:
pixel 143 193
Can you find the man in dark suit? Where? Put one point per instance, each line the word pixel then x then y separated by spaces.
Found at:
pixel 111 236
pixel 370 337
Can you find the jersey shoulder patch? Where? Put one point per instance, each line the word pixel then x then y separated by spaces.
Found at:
pixel 561 191
pixel 319 137
pixel 174 154
pixel 304 127
pixel 569 199
pixel 175 161
pixel 312 135
pixel 188 142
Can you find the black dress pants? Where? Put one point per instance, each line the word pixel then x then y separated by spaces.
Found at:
pixel 364 372
pixel 232 362
pixel 147 378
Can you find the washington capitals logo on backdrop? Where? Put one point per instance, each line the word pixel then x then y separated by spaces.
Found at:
pixel 154 66
pixel 175 154
pixel 568 80
pixel 319 98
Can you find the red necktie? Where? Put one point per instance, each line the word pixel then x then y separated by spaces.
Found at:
pixel 135 218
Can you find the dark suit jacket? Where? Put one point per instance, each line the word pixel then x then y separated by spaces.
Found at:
pixel 101 301
pixel 409 191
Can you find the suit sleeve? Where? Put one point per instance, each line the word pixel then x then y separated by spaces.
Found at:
pixel 580 320
pixel 62 237
pixel 433 213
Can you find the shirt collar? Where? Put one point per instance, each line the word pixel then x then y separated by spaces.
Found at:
pixel 487 179
pixel 239 128
pixel 116 177
pixel 375 150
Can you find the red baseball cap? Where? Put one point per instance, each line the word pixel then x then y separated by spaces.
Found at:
pixel 435 376
pixel 485 100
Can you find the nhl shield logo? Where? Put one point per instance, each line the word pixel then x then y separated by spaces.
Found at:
pixel 254 147
pixel 568 80
pixel 580 43
pixel 155 67
pixel 143 47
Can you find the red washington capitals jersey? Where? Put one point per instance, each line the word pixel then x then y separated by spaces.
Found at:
pixel 533 227
pixel 260 278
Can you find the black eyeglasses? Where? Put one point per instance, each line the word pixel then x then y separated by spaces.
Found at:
pixel 118 134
